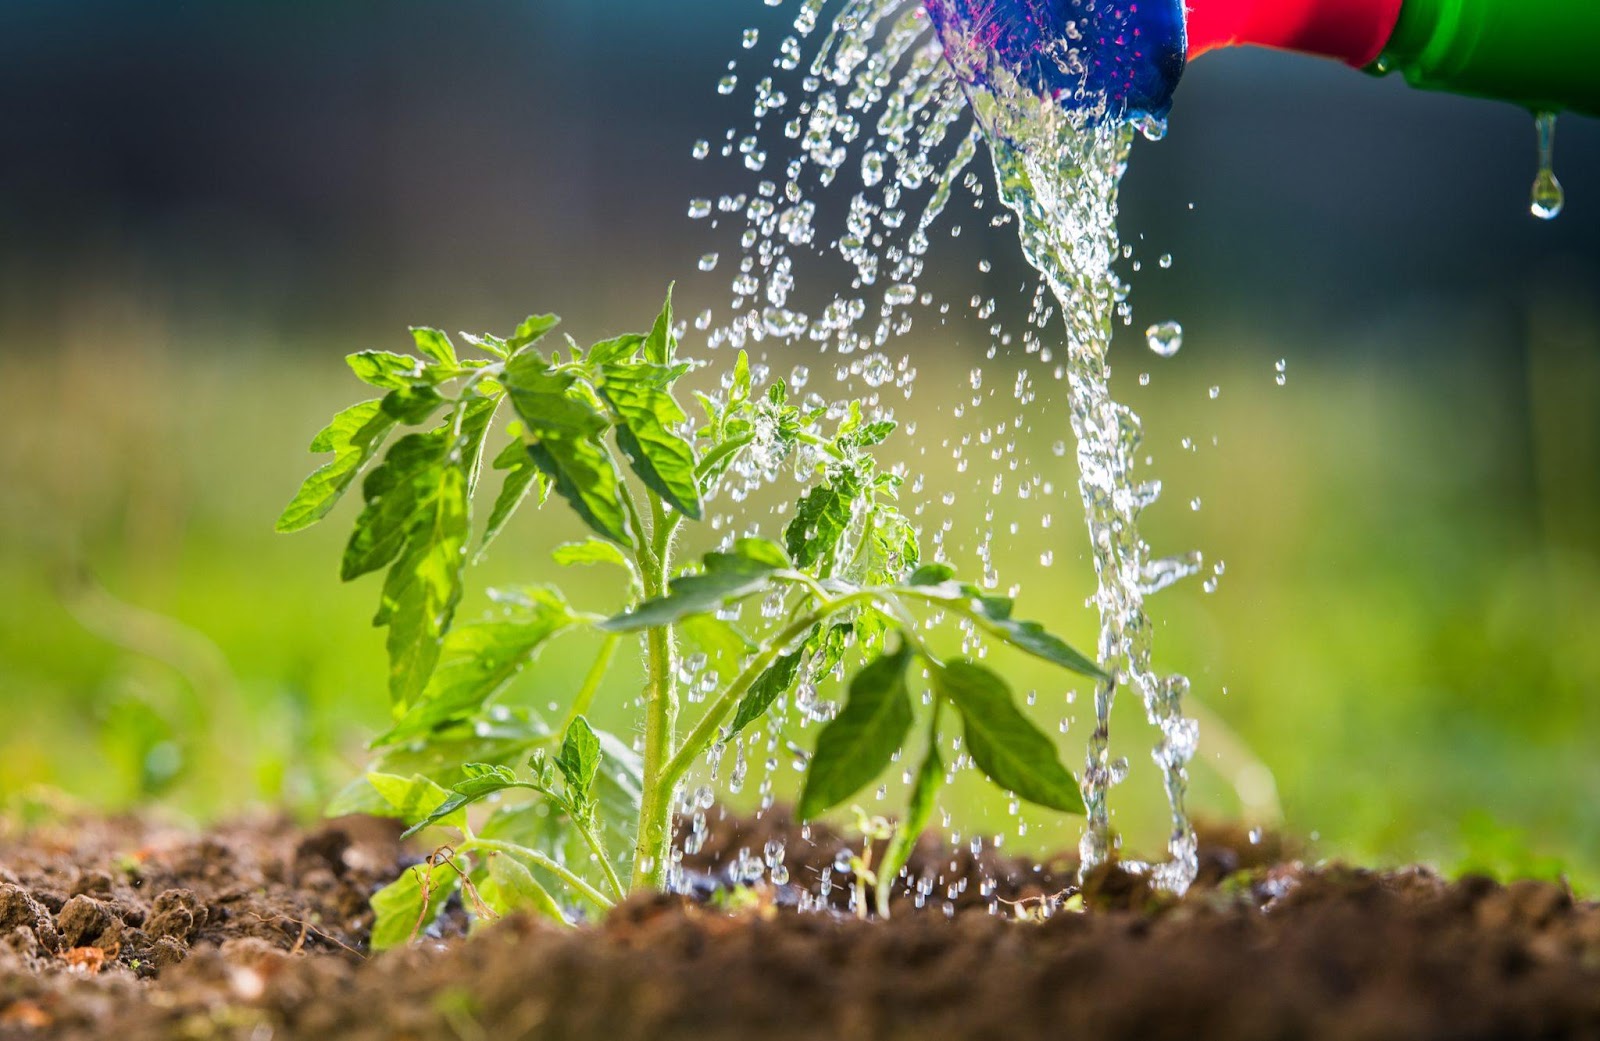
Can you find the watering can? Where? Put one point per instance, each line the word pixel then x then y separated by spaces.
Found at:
pixel 1541 54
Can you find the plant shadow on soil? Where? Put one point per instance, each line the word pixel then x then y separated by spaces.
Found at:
pixel 258 930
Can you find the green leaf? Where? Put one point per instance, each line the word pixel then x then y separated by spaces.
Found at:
pixel 515 889
pixel 479 660
pixel 931 575
pixel 406 483
pixel 503 738
pixel 424 586
pixel 617 349
pixel 532 329
pixel 522 479
pixel 759 551
pixel 727 577
pixel 647 414
pixel 890 547
pixel 993 615
pixel 566 434
pixel 413 404
pixel 831 648
pixel 412 798
pixel 740 391
pixel 483 781
pixel 860 742
pixel 875 433
pixel 1037 641
pixel 487 343
pixel 719 639
pixel 386 370
pixel 614 805
pixel 354 436
pixel 589 552
pixel 919 812
pixel 660 346
pixel 579 759
pixel 1015 754
pixel 435 345
pixel 777 679
pixel 617 792
pixel 417 521
pixel 406 907
pixel 820 521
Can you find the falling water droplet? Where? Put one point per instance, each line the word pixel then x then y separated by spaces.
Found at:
pixel 1154 128
pixel 1549 199
pixel 708 262
pixel 1166 338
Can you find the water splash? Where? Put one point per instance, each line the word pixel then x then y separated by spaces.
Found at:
pixel 1059 171
pixel 1165 339
pixel 880 104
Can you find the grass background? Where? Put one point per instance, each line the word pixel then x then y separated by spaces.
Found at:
pixel 1403 635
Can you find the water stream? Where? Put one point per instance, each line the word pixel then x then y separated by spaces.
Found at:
pixel 879 100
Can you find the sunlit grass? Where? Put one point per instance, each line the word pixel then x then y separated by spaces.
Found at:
pixel 1403 632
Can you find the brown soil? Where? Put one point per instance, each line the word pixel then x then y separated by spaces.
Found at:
pixel 117 929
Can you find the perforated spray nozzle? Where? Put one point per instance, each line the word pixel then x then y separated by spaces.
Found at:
pixel 1109 59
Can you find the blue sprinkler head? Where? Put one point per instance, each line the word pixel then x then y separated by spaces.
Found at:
pixel 1129 52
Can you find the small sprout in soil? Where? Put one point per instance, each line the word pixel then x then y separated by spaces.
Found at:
pixel 602 430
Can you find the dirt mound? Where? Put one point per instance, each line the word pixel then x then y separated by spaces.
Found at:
pixel 253 933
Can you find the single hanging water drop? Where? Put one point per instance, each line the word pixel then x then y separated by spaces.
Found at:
pixel 1549 199
pixel 1165 339
pixel 1154 128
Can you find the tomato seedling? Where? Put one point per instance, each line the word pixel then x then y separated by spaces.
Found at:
pixel 602 430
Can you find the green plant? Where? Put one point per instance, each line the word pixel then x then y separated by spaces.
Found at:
pixel 602 430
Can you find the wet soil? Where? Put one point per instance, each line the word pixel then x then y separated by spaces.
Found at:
pixel 257 931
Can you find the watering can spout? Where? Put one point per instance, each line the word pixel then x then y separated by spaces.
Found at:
pixel 1103 59
pixel 1123 59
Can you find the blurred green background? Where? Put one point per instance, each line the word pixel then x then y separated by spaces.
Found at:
pixel 206 206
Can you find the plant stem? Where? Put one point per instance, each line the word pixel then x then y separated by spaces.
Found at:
pixel 705 731
pixel 718 454
pixel 591 682
pixel 660 725
pixel 598 848
pixel 538 859
pixel 647 560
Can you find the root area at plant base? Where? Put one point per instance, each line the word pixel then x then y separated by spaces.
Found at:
pixel 123 929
